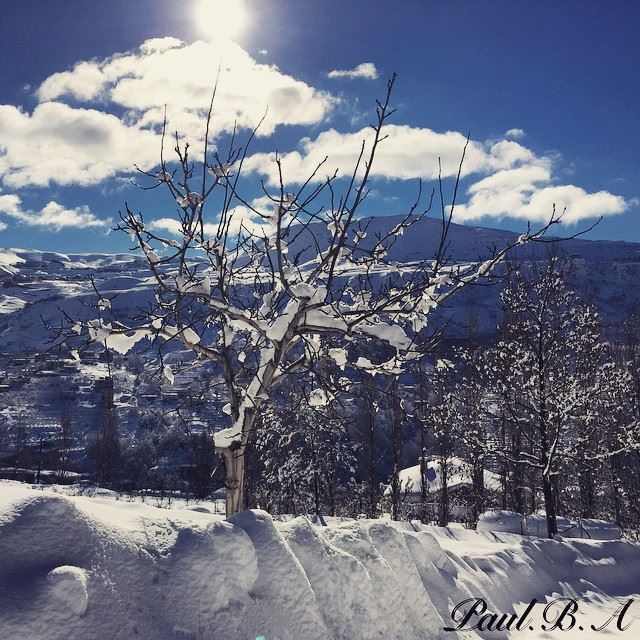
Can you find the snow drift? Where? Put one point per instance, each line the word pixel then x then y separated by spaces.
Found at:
pixel 536 525
pixel 80 567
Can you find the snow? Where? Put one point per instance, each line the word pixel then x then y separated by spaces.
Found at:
pixel 68 586
pixel 168 374
pixel 339 356
pixel 226 437
pixel 190 336
pixel 600 529
pixel 504 521
pixel 304 290
pixel 123 343
pixel 391 334
pixel 536 525
pixel 9 258
pixel 102 568
pixel 10 304
pixel 282 323
pixel 319 398
pixel 459 474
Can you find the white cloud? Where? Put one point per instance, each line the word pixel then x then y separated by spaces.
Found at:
pixel 407 153
pixel 166 71
pixel 173 227
pixel 86 145
pixel 158 45
pixel 64 144
pixel 514 133
pixel 364 70
pixel 61 144
pixel 523 178
pixel 242 218
pixel 52 216
pixel 528 193
pixel 517 182
pixel 167 225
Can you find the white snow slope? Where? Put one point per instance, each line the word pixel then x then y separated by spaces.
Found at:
pixel 99 569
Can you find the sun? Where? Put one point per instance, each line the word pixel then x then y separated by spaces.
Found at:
pixel 217 19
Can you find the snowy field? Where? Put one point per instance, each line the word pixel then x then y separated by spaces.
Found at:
pixel 78 567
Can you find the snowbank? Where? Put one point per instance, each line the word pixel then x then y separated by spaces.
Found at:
pixel 80 567
pixel 504 521
pixel 536 525
pixel 599 529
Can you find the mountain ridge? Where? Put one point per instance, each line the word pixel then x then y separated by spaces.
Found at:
pixel 35 284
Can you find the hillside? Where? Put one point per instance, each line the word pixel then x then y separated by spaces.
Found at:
pixel 36 285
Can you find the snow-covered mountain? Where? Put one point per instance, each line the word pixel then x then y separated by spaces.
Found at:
pixel 36 285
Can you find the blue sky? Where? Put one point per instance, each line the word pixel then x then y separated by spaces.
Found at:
pixel 81 98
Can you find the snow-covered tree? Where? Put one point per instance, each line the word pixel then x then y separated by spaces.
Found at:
pixel 593 373
pixel 475 424
pixel 303 454
pixel 264 288
pixel 557 396
pixel 539 325
pixel 437 411
pixel 444 411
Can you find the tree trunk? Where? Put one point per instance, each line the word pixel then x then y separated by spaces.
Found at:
pixel 550 506
pixel 423 479
pixel 518 473
pixel 234 462
pixel 443 516
pixel 505 464
pixel 533 491
pixel 371 447
pixel 423 449
pixel 615 485
pixel 396 443
pixel 316 483
pixel 555 483
pixel 587 493
pixel 331 492
pixel 478 488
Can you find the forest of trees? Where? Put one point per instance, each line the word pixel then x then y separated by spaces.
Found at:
pixel 550 405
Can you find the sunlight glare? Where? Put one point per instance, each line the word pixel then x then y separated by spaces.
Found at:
pixel 220 18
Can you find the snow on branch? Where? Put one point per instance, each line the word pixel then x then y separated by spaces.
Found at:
pixel 268 286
